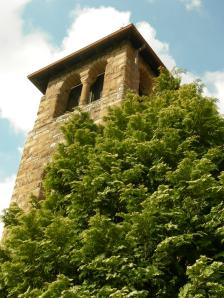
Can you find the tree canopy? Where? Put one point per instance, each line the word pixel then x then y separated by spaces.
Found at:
pixel 132 208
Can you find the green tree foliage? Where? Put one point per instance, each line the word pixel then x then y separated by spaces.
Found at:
pixel 133 208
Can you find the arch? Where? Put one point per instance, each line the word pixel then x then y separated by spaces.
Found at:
pixel 69 94
pixel 96 76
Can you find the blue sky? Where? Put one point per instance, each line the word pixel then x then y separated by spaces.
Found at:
pixel 184 33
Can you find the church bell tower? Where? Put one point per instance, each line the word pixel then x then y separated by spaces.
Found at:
pixel 93 79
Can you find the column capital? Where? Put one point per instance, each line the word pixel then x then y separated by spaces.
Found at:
pixel 84 76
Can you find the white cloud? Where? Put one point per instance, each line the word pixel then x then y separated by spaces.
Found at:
pixel 160 48
pixel 215 86
pixel 188 77
pixel 189 4
pixel 20 54
pixel 91 24
pixel 6 188
pixel 80 34
pixel 214 81
pixel 192 4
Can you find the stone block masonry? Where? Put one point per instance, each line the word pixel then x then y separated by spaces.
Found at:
pixel 121 71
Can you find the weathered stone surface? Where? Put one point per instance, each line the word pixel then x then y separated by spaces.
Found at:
pixel 121 73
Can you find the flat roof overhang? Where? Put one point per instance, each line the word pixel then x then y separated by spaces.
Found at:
pixel 41 77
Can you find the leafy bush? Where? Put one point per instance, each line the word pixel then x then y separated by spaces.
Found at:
pixel 133 208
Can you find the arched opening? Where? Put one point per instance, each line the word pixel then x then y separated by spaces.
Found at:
pixel 74 97
pixel 97 74
pixel 69 95
pixel 145 82
pixel 96 88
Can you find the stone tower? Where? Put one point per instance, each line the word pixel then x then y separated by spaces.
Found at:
pixel 93 79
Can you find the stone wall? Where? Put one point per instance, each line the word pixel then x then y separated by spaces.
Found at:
pixel 122 72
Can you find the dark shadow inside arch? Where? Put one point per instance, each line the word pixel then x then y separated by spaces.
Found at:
pixel 97 75
pixel 69 95
pixel 74 97
pixel 96 89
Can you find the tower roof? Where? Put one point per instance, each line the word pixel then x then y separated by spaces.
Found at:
pixel 41 77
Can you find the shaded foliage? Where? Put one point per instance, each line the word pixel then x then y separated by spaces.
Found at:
pixel 133 208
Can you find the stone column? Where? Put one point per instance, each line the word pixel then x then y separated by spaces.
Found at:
pixel 85 88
